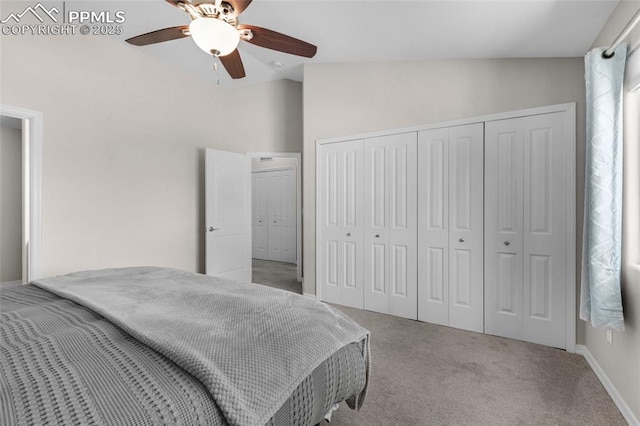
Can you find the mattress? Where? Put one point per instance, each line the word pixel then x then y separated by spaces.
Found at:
pixel 62 363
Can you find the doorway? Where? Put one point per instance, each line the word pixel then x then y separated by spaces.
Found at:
pixel 10 199
pixel 24 128
pixel 276 220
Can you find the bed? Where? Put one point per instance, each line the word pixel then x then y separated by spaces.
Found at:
pixel 150 346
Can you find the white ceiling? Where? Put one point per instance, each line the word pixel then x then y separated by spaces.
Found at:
pixel 374 30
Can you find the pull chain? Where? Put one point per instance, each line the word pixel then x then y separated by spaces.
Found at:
pixel 217 71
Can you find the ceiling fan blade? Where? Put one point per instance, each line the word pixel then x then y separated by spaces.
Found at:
pixel 233 64
pixel 238 5
pixel 158 36
pixel 273 40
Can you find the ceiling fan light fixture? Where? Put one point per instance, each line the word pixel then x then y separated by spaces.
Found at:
pixel 214 36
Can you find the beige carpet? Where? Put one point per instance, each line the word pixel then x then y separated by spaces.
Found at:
pixel 424 374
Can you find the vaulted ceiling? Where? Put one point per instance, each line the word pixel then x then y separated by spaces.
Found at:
pixel 373 30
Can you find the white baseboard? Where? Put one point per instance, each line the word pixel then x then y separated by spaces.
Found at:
pixel 11 283
pixel 310 295
pixel 608 385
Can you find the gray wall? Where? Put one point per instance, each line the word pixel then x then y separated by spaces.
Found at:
pixel 10 204
pixel 621 360
pixel 123 144
pixel 345 99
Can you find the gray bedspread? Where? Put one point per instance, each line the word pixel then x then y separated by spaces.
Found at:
pixel 249 345
pixel 63 364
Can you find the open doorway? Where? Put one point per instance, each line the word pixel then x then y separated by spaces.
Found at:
pixel 276 220
pixel 11 256
pixel 20 194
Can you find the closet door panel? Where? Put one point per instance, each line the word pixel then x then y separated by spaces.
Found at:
pixel 287 216
pixel 259 216
pixel 341 223
pixel 544 226
pixel 330 264
pixel 466 226
pixel 274 205
pixel 403 217
pixel 376 235
pixel 433 226
pixel 390 269
pixel 503 284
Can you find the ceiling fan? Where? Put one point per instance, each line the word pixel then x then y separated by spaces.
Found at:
pixel 215 29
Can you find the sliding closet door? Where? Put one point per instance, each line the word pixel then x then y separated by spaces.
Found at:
pixel 450 253
pixel 340 216
pixel 525 243
pixel 390 224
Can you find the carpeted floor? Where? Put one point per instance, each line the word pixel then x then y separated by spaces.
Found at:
pixel 276 274
pixel 424 374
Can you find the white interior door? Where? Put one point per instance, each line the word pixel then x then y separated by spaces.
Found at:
pixel 228 215
pixel 274 215
pixel 274 207
pixel 545 205
pixel 288 216
pixel 466 227
pixel 259 222
pixel 390 224
pixel 525 244
pixel 433 222
pixel 340 274
pixel 450 236
pixel 504 216
pixel 281 215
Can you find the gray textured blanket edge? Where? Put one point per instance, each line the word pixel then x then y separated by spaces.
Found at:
pixel 118 295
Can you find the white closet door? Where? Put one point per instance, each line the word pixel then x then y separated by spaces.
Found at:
pixel 287 219
pixel 341 225
pixel 450 237
pixel 544 229
pixel 433 233
pixel 504 204
pixel 466 227
pixel 274 223
pixel 390 219
pixel 525 211
pixel 259 216
pixel 274 203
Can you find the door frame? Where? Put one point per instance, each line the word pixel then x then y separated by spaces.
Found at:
pixel 298 170
pixel 31 189
pixel 569 110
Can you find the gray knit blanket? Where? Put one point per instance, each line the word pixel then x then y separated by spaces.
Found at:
pixel 249 345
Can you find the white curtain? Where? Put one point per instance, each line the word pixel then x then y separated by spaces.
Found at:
pixel 601 299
